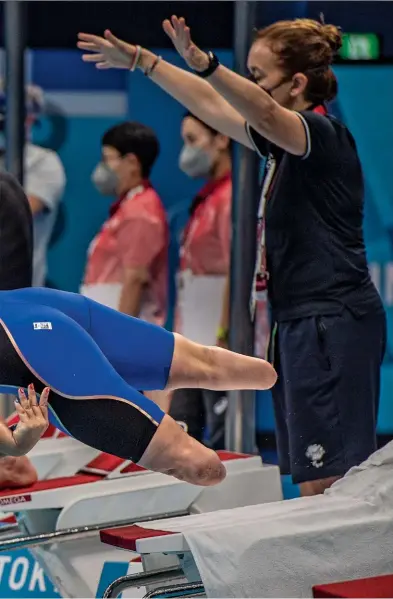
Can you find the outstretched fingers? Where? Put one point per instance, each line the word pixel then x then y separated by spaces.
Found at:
pixel 43 406
pixel 177 30
pixel 115 41
pixel 89 38
pixel 93 57
pixel 20 406
pixel 28 407
pixel 24 402
pixel 104 65
pixel 169 30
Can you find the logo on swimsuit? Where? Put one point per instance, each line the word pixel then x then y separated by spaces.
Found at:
pixel 15 499
pixel 315 453
pixel 42 325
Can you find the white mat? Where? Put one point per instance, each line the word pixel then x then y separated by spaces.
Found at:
pixel 283 549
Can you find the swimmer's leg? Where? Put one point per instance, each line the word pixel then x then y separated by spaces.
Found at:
pixel 91 400
pixel 150 358
pixel 200 366
pixel 172 451
pixel 115 427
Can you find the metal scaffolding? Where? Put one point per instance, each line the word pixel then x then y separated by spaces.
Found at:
pixel 15 44
pixel 240 425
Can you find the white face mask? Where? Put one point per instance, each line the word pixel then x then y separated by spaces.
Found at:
pixel 105 179
pixel 195 162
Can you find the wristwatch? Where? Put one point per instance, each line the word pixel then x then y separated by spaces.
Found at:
pixel 214 63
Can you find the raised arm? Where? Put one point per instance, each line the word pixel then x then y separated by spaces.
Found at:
pixel 196 94
pixel 285 128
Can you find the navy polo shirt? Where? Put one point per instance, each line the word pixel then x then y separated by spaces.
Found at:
pixel 315 251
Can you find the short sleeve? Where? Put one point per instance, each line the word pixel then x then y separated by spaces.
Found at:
pixel 321 137
pixel 45 179
pixel 140 239
pixel 260 144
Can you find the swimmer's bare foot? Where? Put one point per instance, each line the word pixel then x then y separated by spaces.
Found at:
pixel 172 451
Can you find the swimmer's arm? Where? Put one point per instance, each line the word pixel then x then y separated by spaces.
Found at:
pixel 131 295
pixel 33 422
pixel 8 446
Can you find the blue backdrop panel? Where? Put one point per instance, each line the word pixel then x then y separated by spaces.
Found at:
pixel 365 105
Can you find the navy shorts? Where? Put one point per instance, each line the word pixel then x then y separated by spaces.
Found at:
pixel 327 395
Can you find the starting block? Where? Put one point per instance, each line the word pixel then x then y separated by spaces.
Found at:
pixel 61 518
pixel 281 549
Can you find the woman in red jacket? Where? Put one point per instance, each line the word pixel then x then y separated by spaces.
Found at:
pixel 202 306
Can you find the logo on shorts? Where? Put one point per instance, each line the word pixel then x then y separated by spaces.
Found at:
pixel 42 325
pixel 315 453
pixel 220 406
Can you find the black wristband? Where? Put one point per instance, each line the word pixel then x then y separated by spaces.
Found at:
pixel 214 63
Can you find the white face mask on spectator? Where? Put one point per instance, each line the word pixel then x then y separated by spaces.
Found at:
pixel 105 179
pixel 195 162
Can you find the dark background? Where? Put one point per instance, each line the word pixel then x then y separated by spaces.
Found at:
pixel 53 24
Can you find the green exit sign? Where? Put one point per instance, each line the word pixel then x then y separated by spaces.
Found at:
pixel 360 46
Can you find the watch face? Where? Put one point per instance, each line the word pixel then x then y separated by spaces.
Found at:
pixel 213 64
pixel 213 61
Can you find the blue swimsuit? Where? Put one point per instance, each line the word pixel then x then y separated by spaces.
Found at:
pixel 93 358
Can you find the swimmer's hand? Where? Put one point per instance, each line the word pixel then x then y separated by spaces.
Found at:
pixel 107 52
pixel 33 421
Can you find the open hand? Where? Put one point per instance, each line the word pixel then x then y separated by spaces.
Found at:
pixel 180 35
pixel 33 418
pixel 107 52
